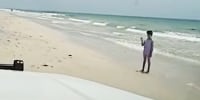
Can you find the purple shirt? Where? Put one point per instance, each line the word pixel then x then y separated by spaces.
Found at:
pixel 148 47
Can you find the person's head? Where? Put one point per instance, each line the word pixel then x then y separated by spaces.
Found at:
pixel 149 33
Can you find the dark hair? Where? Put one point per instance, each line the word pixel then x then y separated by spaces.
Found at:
pixel 150 32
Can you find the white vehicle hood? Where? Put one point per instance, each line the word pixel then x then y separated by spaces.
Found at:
pixel 42 86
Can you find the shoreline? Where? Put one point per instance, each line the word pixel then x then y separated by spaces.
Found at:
pixel 106 63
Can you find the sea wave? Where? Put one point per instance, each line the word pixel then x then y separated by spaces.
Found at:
pixel 88 34
pixel 39 15
pixel 46 16
pixel 175 35
pixel 118 33
pixel 28 14
pixel 100 24
pixel 177 57
pixel 79 20
pixel 120 27
pixel 135 30
pixel 124 43
pixel 52 16
pixel 49 17
pixel 58 22
pixel 127 44
pixel 7 10
pixel 43 18
pixel 133 27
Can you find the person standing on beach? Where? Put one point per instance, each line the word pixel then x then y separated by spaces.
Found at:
pixel 148 50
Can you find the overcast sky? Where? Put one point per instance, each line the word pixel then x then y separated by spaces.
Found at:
pixel 186 9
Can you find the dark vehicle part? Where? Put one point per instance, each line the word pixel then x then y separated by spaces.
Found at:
pixel 18 65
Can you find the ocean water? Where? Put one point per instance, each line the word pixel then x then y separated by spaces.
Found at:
pixel 177 38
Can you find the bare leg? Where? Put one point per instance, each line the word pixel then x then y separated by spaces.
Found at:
pixel 144 62
pixel 149 64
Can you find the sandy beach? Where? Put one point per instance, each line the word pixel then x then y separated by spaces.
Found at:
pixel 45 48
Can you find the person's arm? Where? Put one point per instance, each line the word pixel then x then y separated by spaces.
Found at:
pixel 142 41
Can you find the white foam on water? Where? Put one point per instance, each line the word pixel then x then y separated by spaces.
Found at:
pixel 175 35
pixel 190 84
pixel 39 15
pixel 193 85
pixel 7 10
pixel 135 30
pixel 88 34
pixel 133 27
pixel 127 44
pixel 50 16
pixel 58 22
pixel 79 20
pixel 124 43
pixel 120 27
pixel 28 14
pixel 177 57
pixel 99 24
pixel 118 33
pixel 43 18
pixel 57 18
